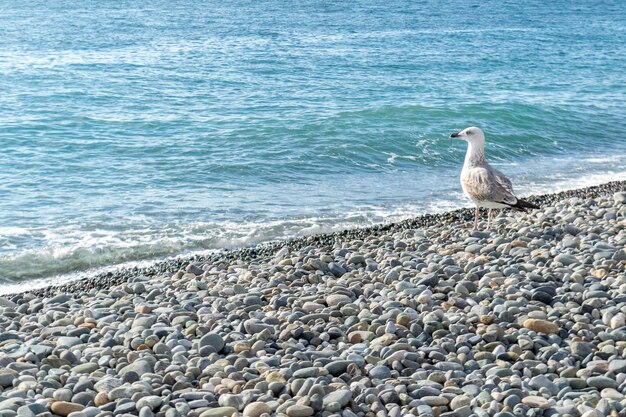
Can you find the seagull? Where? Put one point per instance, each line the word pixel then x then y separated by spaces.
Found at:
pixel 483 184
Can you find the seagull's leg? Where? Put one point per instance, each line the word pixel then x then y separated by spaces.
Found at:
pixel 489 216
pixel 476 213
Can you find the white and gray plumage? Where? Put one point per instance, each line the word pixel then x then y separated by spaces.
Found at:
pixel 483 184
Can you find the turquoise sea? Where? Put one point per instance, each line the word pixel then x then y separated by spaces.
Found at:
pixel 132 131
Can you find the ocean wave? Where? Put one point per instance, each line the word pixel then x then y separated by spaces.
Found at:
pixel 66 251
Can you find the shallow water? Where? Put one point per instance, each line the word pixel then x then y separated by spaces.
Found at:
pixel 134 131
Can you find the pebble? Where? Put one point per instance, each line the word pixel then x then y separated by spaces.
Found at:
pixel 336 300
pixel 583 349
pixel 85 368
pixel 7 376
pixel 151 401
pixel 139 367
pixel 435 400
pixel 617 366
pixel 460 401
pixel 64 408
pixel 256 409
pixel 601 382
pixel 101 399
pixel 340 396
pixel 534 401
pixel 211 339
pixel 542 326
pixel 299 410
pixel 380 372
pixel 219 412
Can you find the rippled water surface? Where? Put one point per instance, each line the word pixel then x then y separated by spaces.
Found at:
pixel 136 130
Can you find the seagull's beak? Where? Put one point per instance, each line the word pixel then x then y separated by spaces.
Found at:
pixel 455 135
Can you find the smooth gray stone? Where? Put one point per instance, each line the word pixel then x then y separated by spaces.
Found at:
pixel 125 407
pixel 24 411
pixel 87 412
pixel 336 269
pixel 617 366
pixel 125 391
pixel 59 299
pixel 146 412
pixel 151 401
pixel 85 368
pixel 68 342
pixel 140 366
pixel 211 339
pixel 144 322
pixel 342 396
pixel 601 382
pixel 337 367
pixel 12 404
pixel 542 381
pixel 380 372
pixel 107 384
pixel 6 377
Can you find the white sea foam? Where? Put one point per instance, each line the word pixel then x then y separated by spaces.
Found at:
pixel 394 157
pixel 12 231
pixel 563 183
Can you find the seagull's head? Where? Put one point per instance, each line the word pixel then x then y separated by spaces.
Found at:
pixel 471 134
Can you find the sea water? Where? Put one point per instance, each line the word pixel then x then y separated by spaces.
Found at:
pixel 137 130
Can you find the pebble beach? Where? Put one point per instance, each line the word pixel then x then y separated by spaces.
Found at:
pixel 418 318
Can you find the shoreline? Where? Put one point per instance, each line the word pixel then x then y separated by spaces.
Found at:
pixel 170 265
pixel 419 318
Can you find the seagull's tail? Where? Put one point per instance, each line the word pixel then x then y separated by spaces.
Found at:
pixel 522 205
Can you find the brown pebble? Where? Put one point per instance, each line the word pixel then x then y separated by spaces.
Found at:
pixel 101 399
pixel 142 309
pixel 518 244
pixel 275 376
pixel 354 337
pixel 403 320
pixel 241 347
pixel 64 408
pixel 598 273
pixel 542 326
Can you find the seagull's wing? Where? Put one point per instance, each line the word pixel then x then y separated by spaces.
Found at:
pixel 502 180
pixel 483 184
